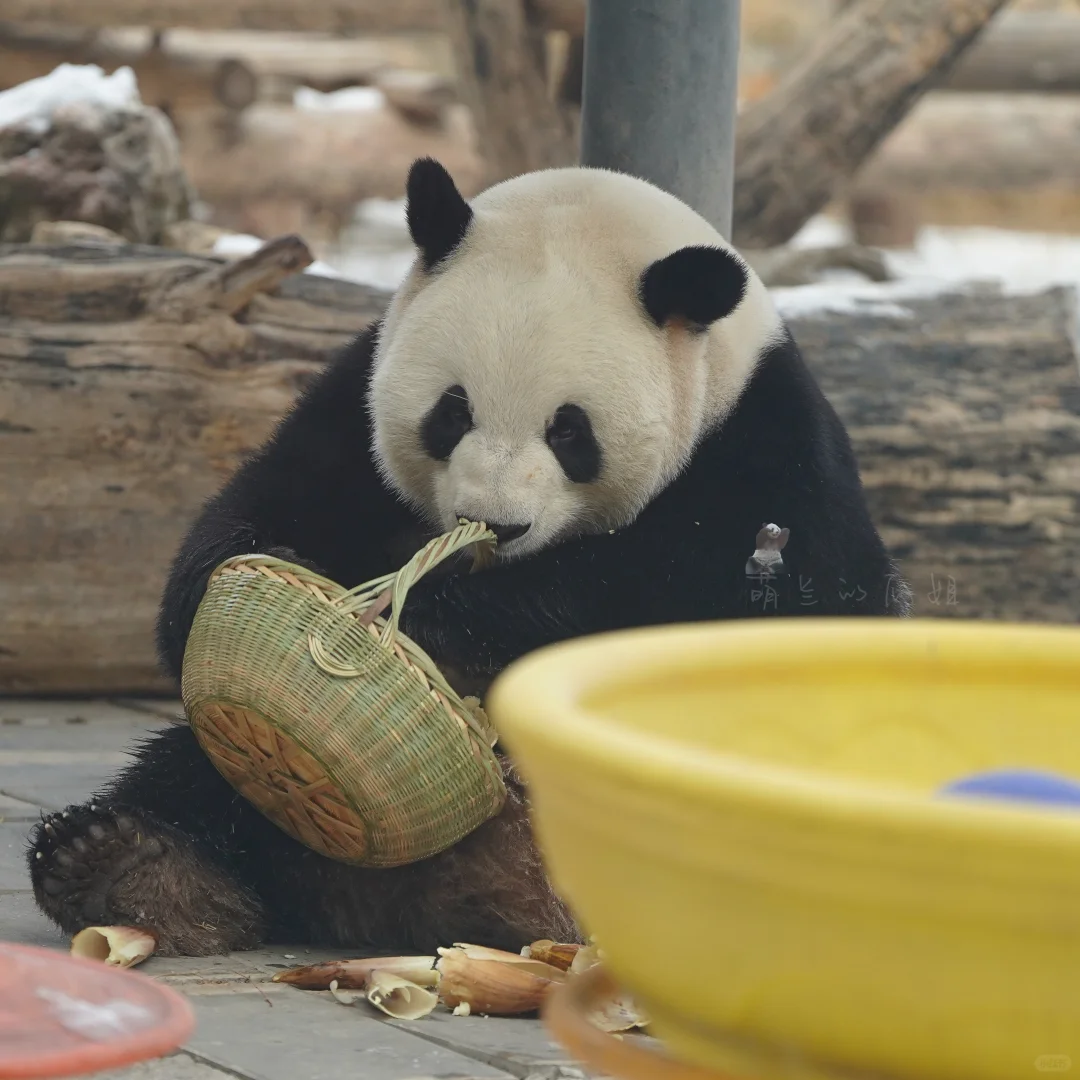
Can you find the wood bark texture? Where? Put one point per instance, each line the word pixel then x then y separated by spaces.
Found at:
pixel 1023 52
pixel 133 380
pixel 964 410
pixel 980 142
pixel 329 16
pixel 797 148
pixel 173 84
pixel 503 79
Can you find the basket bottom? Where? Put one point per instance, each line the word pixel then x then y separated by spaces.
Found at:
pixel 280 779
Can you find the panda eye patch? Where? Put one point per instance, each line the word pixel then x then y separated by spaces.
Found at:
pixel 447 423
pixel 571 439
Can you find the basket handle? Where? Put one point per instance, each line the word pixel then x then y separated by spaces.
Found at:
pixel 394 588
pixel 564 1012
pixel 436 551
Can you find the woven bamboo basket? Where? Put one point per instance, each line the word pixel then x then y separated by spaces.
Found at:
pixel 312 704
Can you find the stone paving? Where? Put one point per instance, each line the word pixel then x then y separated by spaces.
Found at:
pixel 56 752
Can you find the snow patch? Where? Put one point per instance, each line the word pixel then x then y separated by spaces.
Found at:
pixel 31 104
pixel 349 99
pixel 942 260
pixel 1020 262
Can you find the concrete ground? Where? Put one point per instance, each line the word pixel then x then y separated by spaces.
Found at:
pixel 56 752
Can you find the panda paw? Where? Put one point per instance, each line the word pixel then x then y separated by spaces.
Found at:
pixel 98 865
pixel 78 856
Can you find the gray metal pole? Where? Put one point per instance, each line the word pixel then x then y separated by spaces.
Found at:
pixel 659 97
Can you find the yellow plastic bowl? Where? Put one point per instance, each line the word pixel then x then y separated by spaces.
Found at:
pixel 746 816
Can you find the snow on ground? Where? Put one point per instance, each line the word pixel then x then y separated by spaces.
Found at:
pixel 942 259
pixel 31 104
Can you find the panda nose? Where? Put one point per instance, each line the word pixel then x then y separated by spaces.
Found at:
pixel 506 533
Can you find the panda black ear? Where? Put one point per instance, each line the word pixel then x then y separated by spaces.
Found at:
pixel 437 215
pixel 696 284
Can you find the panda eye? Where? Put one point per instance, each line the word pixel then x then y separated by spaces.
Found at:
pixel 447 423
pixel 564 428
pixel 571 439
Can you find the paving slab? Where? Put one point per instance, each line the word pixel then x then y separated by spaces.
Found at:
pixel 519 1045
pixel 12 809
pixel 306 1035
pixel 180 1066
pixel 13 873
pixel 51 756
pixel 166 708
pixel 22 923
pixel 73 711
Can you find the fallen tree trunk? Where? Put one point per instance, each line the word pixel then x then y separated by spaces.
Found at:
pixel 976 159
pixel 797 148
pixel 173 84
pixel 964 410
pixel 988 142
pixel 329 16
pixel 133 380
pixel 1023 52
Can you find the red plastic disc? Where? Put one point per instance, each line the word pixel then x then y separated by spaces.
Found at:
pixel 61 1015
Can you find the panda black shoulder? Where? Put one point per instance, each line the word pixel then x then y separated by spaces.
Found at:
pixel 311 495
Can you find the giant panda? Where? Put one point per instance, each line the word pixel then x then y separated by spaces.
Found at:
pixel 579 360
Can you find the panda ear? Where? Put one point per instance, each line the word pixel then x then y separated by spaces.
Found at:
pixel 696 284
pixel 437 215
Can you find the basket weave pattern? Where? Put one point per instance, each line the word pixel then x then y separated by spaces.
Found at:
pixel 329 720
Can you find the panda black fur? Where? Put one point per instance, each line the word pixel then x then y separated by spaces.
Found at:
pixel 578 353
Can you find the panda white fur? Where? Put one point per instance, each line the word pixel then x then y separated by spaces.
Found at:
pixel 581 361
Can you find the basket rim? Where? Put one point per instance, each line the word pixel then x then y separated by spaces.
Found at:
pixel 327 591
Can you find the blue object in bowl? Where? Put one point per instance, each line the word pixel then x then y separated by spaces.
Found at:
pixel 1018 785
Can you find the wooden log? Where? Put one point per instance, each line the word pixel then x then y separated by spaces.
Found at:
pixel 990 142
pixel 330 16
pixel 797 148
pixel 502 77
pixel 170 83
pixel 1023 52
pixel 1010 160
pixel 965 417
pixel 129 389
pixel 785 267
pixel 133 380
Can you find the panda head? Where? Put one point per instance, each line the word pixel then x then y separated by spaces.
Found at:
pixel 557 351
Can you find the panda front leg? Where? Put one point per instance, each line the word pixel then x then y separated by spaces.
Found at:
pixel 141 854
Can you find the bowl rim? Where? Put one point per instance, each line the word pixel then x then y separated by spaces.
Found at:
pixel 539 699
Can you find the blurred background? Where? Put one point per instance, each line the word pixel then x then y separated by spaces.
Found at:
pixel 201 199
